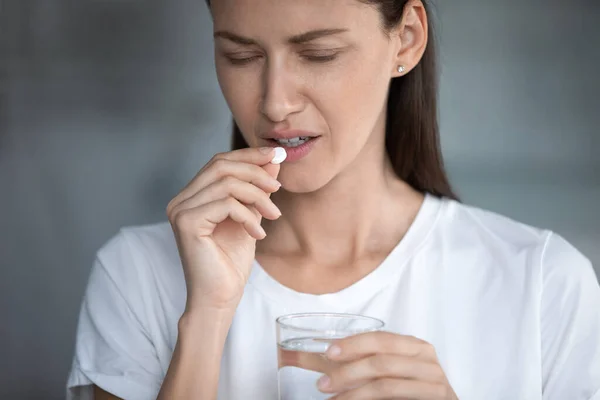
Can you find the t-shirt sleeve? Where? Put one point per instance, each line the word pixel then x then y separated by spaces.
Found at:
pixel 113 347
pixel 570 324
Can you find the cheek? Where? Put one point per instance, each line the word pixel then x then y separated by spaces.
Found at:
pixel 240 92
pixel 353 101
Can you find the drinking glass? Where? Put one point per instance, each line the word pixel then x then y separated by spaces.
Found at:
pixel 302 340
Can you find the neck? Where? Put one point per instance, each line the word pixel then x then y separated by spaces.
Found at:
pixel 365 209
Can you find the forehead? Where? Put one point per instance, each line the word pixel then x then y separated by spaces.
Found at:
pixel 273 17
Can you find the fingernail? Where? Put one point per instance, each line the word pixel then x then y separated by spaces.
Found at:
pixel 266 150
pixel 270 185
pixel 323 382
pixel 276 210
pixel 262 232
pixel 334 351
pixel 280 155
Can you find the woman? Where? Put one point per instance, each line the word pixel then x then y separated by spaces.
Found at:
pixel 360 218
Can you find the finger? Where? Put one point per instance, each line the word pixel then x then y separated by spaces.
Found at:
pixel 245 192
pixel 259 157
pixel 305 360
pixel 269 158
pixel 252 155
pixel 397 389
pixel 201 221
pixel 359 346
pixel 357 373
pixel 223 168
pixel 272 169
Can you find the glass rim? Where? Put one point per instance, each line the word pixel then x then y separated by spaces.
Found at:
pixel 281 322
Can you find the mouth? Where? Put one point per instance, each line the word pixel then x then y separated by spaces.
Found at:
pixel 293 142
pixel 296 147
pixel 291 138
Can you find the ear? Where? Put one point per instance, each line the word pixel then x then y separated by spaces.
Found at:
pixel 411 36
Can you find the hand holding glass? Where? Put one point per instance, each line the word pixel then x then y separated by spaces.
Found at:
pixel 302 340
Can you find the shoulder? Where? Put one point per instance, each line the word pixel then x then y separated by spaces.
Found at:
pixel 139 256
pixel 569 280
pixel 561 259
pixel 127 321
pixel 491 228
pixel 137 243
pixel 501 242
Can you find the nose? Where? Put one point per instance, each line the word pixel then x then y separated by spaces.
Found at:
pixel 281 96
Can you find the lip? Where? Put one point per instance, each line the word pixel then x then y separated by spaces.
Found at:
pixel 288 134
pixel 296 153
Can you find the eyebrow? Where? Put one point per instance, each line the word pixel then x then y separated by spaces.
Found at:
pixel 297 39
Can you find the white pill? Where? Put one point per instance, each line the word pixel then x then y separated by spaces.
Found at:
pixel 280 155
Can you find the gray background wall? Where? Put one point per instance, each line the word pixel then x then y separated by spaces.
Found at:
pixel 108 107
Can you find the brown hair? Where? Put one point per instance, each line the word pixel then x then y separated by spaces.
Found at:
pixel 412 131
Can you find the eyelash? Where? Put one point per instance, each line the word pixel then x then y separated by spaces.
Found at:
pixel 316 59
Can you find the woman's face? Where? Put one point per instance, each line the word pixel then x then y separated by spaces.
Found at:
pixel 322 67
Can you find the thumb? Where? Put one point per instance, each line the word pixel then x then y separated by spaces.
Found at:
pixel 274 166
pixel 272 169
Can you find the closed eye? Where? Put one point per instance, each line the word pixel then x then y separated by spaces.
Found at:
pixel 242 61
pixel 312 57
pixel 321 58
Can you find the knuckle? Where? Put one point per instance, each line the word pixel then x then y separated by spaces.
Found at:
pixel 434 372
pixel 231 202
pixel 172 213
pixel 218 156
pixel 229 181
pixel 379 364
pixel 417 341
pixel 438 373
pixel 170 208
pixel 182 219
pixel 429 349
pixel 220 166
pixel 440 391
pixel 382 386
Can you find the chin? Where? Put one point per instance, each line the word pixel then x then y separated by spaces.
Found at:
pixel 302 182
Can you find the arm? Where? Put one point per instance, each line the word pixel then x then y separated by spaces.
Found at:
pixel 195 366
pixel 115 347
pixel 194 369
pixel 100 394
pixel 216 266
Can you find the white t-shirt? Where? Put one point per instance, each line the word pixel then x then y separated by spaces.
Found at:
pixel 513 311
